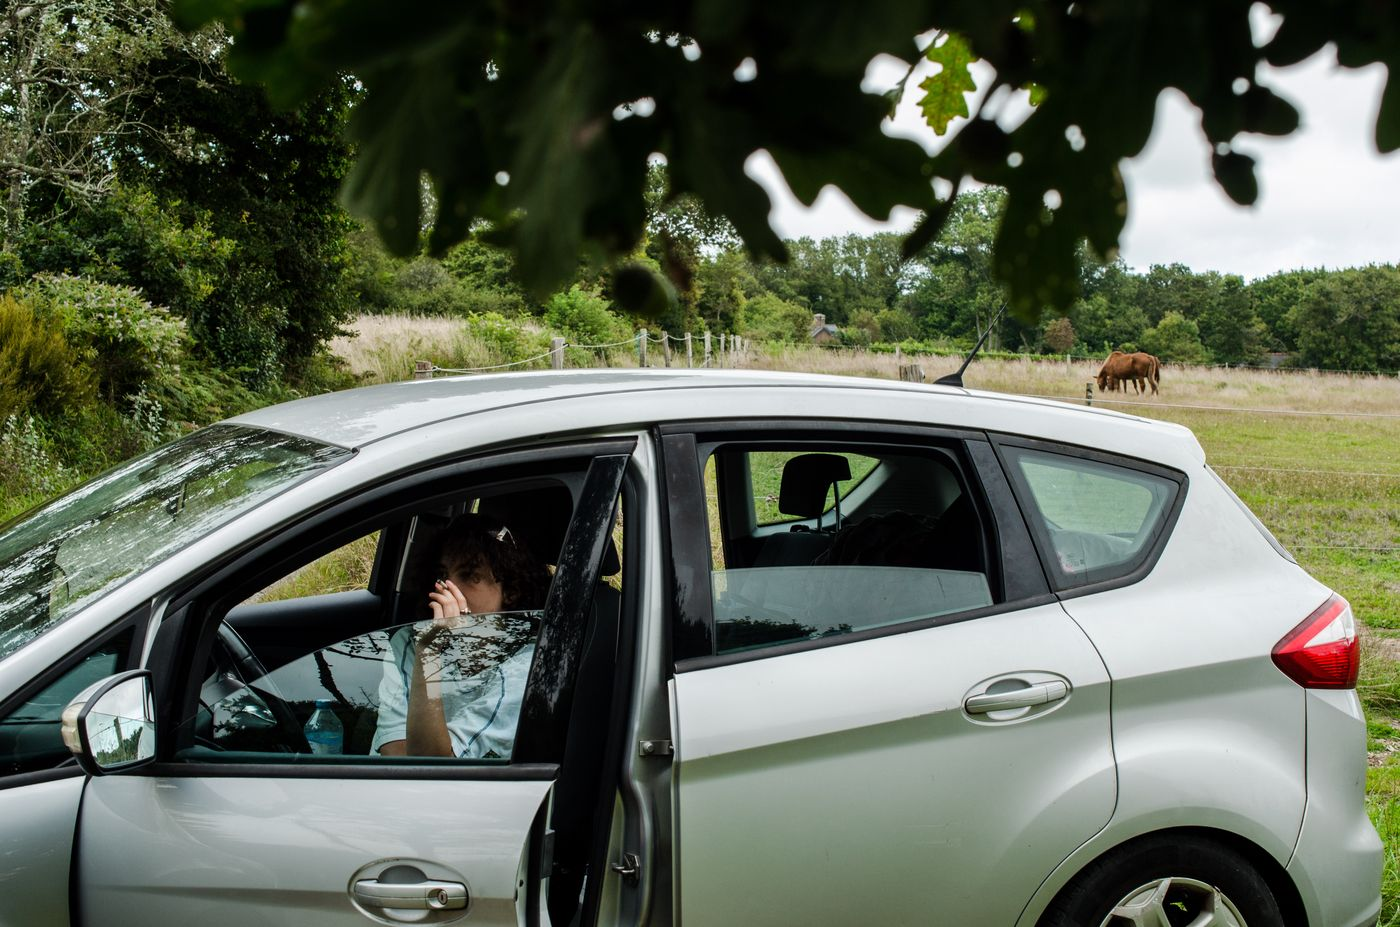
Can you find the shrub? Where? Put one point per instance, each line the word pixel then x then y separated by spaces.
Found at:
pixel 38 370
pixel 505 338
pixel 896 325
pixel 1059 335
pixel 583 317
pixel 131 343
pixel 1175 339
pixel 30 471
pixel 771 318
pixel 484 300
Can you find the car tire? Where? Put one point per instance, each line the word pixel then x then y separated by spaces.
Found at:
pixel 1167 880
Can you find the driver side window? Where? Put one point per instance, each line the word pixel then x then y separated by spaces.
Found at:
pixel 415 640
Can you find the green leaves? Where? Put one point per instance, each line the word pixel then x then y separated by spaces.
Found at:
pixel 1235 173
pixel 1388 120
pixel 393 128
pixel 944 92
pixel 509 110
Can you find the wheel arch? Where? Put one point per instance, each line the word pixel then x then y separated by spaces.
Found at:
pixel 1289 900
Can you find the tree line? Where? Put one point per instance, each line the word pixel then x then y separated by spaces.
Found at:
pixel 942 299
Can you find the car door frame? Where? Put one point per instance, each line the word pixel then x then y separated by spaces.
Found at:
pixel 343 520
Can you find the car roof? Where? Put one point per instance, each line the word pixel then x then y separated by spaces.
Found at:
pixel 357 417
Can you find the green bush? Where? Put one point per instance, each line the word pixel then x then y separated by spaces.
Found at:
pixel 771 318
pixel 131 343
pixel 506 338
pixel 1175 339
pixel 486 300
pixel 896 325
pixel 30 469
pixel 38 370
pixel 583 317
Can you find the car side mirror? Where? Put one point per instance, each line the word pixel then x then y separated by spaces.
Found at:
pixel 110 726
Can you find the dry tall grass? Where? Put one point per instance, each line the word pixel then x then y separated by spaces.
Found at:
pixel 385 348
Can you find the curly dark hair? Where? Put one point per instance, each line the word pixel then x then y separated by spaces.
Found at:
pixel 472 542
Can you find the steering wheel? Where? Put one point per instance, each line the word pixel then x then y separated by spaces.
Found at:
pixel 250 668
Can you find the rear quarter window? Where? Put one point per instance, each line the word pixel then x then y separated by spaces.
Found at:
pixel 1094 520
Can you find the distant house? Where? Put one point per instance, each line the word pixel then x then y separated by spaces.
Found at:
pixel 823 333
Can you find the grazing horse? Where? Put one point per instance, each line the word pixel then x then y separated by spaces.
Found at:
pixel 1152 368
pixel 1119 368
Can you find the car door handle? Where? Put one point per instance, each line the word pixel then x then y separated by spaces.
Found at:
pixel 427 895
pixel 1038 694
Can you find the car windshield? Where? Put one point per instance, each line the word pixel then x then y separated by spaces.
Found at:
pixel 125 521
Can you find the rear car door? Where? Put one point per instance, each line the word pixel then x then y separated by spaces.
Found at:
pixel 890 721
pixel 236 823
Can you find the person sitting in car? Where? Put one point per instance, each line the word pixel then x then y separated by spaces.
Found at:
pixel 454 684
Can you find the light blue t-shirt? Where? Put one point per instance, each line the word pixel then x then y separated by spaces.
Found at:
pixel 481 692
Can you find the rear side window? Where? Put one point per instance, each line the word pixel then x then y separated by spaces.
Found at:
pixel 1095 521
pixel 823 539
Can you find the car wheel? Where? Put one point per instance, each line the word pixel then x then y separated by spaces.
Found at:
pixel 1167 882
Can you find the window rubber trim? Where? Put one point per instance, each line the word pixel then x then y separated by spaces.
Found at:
pixel 1161 534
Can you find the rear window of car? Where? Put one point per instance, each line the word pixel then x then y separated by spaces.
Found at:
pixel 120 524
pixel 1094 520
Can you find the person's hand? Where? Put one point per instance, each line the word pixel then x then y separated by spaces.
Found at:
pixel 449 608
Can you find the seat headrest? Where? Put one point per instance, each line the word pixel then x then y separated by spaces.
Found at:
pixel 540 518
pixel 807 478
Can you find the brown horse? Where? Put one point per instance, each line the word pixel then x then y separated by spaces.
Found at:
pixel 1142 369
pixel 1152 367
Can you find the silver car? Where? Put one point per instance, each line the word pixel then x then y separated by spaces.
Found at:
pixel 813 650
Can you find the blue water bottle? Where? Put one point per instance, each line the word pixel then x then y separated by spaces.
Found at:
pixel 323 729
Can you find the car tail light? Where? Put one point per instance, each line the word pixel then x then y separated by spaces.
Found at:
pixel 1323 652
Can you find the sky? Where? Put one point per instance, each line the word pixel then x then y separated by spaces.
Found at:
pixel 1326 197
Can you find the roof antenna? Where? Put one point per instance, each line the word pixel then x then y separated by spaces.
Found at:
pixel 955 379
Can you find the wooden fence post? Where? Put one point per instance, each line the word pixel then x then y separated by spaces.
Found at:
pixel 689 352
pixel 422 370
pixel 721 348
pixel 666 347
pixel 1089 393
pixel 556 353
pixel 913 373
pixel 707 350
pixel 642 348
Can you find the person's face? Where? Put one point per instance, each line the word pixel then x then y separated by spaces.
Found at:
pixel 479 587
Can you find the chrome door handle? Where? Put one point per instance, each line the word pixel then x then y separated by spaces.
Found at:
pixel 1017 698
pixel 427 895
